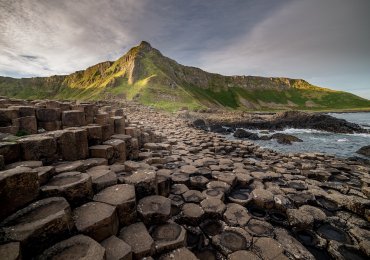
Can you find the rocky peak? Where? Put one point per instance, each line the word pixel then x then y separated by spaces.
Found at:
pixel 145 46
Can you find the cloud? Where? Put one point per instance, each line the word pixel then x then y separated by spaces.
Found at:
pixel 326 42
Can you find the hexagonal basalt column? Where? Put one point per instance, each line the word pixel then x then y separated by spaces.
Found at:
pixel 77 247
pixel 76 187
pixel 154 209
pixel 18 187
pixel 39 225
pixel 97 220
pixel 123 197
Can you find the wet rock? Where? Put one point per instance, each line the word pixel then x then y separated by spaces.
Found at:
pixel 218 185
pixel 10 251
pixel 121 196
pixel 332 232
pixel 262 198
pixel 213 208
pixel 240 196
pixel 76 187
pixel 365 150
pixel 168 236
pixel 241 133
pixel 102 178
pixel 232 239
pixel 39 225
pixel 236 215
pixel 216 194
pixel 145 182
pixel 191 214
pixel 243 254
pixel 342 252
pixel 137 236
pixel 291 245
pixel 154 209
pixel 97 220
pixel 116 248
pixel 285 138
pixel 268 248
pixel 77 247
pixel 18 187
pixel 179 254
pixel 260 228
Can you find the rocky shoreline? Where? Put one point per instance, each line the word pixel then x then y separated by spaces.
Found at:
pixel 123 181
pixel 271 121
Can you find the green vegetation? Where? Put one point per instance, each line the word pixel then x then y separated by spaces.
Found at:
pixel 145 75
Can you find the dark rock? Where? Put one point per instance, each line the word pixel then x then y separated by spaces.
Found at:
pixel 116 248
pixel 18 187
pixel 168 236
pixel 154 209
pixel 365 150
pixel 137 236
pixel 39 225
pixel 77 247
pixel 97 220
pixel 123 197
pixel 76 187
pixel 285 138
pixel 241 133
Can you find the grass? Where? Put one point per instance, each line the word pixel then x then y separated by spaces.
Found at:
pixel 157 81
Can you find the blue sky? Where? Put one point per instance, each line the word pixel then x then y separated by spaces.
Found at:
pixel 326 42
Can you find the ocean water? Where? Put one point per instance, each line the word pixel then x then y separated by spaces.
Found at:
pixel 341 145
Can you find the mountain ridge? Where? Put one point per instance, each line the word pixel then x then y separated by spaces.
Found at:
pixel 144 74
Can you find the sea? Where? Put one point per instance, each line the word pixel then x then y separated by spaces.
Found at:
pixel 340 145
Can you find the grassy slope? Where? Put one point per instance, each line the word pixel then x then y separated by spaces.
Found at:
pixel 145 75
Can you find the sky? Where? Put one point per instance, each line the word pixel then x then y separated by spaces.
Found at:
pixel 326 42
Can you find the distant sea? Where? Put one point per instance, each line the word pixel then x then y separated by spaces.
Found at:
pixel 341 145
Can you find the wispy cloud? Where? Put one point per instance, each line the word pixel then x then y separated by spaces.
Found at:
pixel 326 42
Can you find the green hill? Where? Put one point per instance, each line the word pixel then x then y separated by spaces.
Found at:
pixel 145 75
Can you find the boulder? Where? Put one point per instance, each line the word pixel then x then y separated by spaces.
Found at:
pixel 365 150
pixel 262 198
pixel 213 207
pixel 119 148
pixel 241 133
pixel 97 220
pixel 269 248
pixel 285 138
pixel 102 151
pixel 18 187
